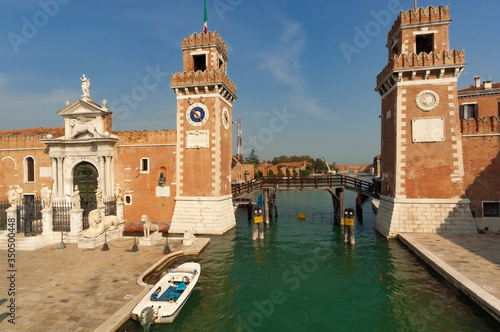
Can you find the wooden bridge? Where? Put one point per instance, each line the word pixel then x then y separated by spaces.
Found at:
pixel 334 184
pixel 308 183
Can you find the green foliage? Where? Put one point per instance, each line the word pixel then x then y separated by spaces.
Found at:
pixel 292 159
pixel 258 174
pixel 252 158
pixel 305 172
pixel 280 172
pixel 288 172
pixel 270 174
pixel 295 172
pixel 320 166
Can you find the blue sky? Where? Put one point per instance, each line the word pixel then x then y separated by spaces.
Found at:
pixel 297 91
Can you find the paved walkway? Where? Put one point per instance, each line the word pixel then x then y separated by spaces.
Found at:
pixel 471 262
pixel 74 289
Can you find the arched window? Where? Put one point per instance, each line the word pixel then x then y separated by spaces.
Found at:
pixel 29 169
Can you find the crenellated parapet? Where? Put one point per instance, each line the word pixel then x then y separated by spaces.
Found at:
pixel 146 137
pixel 198 39
pixel 424 66
pixel 213 81
pixel 422 15
pixel 480 126
pixel 27 138
pixel 429 59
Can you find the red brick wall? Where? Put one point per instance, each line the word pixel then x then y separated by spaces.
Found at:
pixel 388 143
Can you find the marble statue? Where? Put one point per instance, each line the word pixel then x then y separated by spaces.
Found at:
pixel 99 196
pixel 161 180
pixel 46 196
pixel 82 126
pixel 149 226
pixel 99 224
pixel 85 85
pixel 12 194
pixel 188 238
pixel 19 195
pixel 118 194
pixel 76 199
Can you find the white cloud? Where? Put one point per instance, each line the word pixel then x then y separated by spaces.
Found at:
pixel 283 62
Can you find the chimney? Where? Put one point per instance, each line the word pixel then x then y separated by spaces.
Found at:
pixel 487 85
pixel 477 79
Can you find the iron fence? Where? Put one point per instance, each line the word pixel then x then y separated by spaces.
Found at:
pixel 61 221
pixel 87 207
pixel 29 218
pixel 4 205
pixel 110 207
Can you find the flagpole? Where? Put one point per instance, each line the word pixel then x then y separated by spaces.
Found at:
pixel 415 2
pixel 205 25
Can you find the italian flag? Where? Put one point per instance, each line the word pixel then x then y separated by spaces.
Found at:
pixel 205 26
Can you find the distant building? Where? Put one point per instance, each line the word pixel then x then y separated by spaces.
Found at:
pixel 241 172
pixel 355 168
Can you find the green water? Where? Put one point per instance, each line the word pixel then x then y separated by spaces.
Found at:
pixel 303 278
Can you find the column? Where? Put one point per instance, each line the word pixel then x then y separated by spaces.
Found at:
pixel 54 177
pixel 60 181
pixel 108 177
pixel 76 221
pixel 102 176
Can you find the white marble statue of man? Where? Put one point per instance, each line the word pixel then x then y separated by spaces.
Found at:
pixel 44 196
pixel 19 195
pixel 99 196
pixel 118 194
pixel 12 196
pixel 85 85
pixel 76 199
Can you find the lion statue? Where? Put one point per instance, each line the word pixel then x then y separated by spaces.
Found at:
pixel 82 126
pixel 148 226
pixel 99 224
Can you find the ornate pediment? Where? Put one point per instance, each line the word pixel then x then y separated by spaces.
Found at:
pixel 84 119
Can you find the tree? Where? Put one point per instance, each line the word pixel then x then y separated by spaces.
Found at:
pixel 304 172
pixel 320 166
pixel 252 158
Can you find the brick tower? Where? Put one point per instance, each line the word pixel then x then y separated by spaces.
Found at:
pixel 421 148
pixel 205 96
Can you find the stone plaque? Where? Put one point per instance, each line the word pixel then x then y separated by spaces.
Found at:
pixel 162 191
pixel 197 139
pixel 45 172
pixel 428 130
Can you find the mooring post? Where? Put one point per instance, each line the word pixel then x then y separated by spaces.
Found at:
pixel 349 226
pixel 258 225
pixel 266 205
pixel 340 195
pixel 359 209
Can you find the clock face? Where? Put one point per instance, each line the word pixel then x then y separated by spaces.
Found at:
pixel 225 118
pixel 197 114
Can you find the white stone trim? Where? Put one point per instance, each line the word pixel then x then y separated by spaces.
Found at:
pixel 438 81
pixel 207 95
pixel 144 145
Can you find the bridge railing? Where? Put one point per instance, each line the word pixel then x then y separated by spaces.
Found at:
pixel 307 183
pixel 242 188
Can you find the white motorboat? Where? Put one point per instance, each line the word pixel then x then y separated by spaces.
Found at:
pixel 165 300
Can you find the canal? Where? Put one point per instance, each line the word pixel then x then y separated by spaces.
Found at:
pixel 303 278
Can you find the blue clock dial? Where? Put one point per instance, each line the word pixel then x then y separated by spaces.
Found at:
pixel 197 114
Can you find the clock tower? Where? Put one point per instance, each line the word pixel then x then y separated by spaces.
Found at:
pixel 421 147
pixel 205 96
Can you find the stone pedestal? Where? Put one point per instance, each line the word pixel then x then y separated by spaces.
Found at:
pixel 76 221
pixel 98 241
pixel 404 215
pixel 47 217
pixel 152 240
pixel 102 209
pixel 203 215
pixel 12 214
pixel 119 212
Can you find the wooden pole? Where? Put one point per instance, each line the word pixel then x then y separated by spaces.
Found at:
pixel 266 205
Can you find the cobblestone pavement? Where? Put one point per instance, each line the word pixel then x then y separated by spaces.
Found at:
pixel 73 289
pixel 471 263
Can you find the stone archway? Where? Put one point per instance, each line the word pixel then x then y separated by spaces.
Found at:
pixel 85 176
